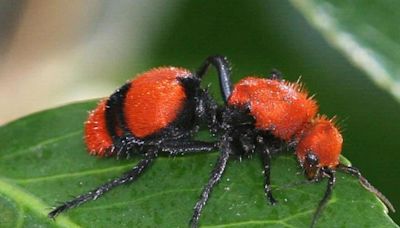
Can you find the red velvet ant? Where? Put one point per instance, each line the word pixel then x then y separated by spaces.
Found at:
pixel 159 111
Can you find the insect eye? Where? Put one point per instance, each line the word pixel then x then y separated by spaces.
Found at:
pixel 311 159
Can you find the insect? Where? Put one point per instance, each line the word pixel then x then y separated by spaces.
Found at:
pixel 159 111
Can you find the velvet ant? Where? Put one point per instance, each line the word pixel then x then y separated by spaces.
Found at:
pixel 160 110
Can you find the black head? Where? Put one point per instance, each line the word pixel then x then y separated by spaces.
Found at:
pixel 311 166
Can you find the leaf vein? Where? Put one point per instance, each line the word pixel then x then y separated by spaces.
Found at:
pixel 71 175
pixel 40 144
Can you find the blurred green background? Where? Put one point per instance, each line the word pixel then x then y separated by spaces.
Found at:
pixel 57 52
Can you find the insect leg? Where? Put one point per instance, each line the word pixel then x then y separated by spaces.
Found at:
pixel 331 183
pixel 224 71
pixel 179 147
pixel 364 182
pixel 216 174
pixel 266 159
pixel 127 177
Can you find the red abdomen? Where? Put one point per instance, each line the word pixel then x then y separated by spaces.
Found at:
pixel 97 139
pixel 153 101
pixel 277 106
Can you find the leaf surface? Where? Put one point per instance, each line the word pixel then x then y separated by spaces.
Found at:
pixel 43 161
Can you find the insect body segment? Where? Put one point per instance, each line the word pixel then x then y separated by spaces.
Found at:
pixel 97 139
pixel 160 111
pixel 277 106
pixel 154 100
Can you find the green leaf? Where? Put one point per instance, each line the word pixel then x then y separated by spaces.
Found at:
pixel 366 33
pixel 43 161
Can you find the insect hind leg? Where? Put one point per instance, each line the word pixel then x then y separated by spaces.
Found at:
pixel 125 178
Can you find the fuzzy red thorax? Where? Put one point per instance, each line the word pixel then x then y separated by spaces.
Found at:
pixel 281 107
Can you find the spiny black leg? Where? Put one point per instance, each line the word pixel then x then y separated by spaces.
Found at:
pixel 214 179
pixel 127 177
pixel 364 182
pixel 266 157
pixel 179 147
pixel 224 71
pixel 331 183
